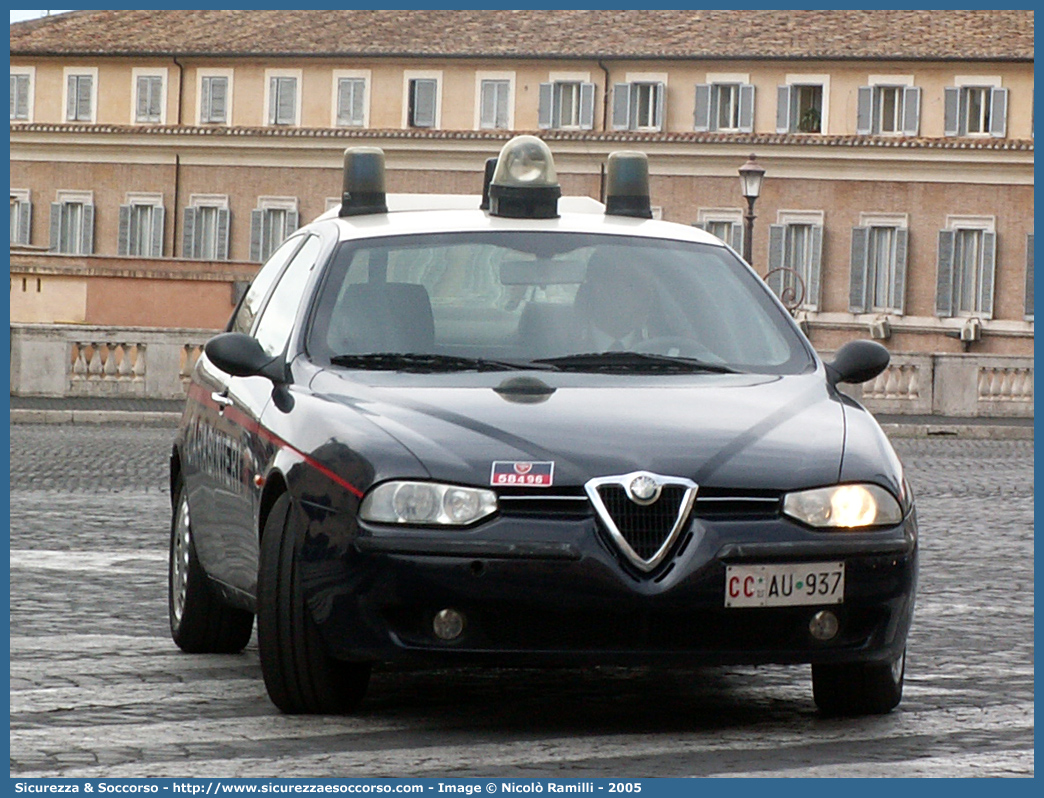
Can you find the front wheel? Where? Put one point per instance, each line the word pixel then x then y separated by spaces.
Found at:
pixel 299 675
pixel 200 622
pixel 859 688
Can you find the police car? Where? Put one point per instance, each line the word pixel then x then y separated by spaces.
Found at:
pixel 532 430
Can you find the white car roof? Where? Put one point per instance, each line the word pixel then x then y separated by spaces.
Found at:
pixel 439 213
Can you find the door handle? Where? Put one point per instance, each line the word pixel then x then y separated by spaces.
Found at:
pixel 221 399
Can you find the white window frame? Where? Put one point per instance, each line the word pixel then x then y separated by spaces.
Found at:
pixel 813 79
pixel 30 71
pixel 421 74
pixel 217 201
pixel 811 300
pixel 270 203
pixel 20 197
pixel 148 72
pixel 297 75
pixel 733 216
pixel 153 199
pixel 556 78
pixel 498 76
pixel 80 70
pixel 718 79
pixel 651 79
pixel 74 197
pixel 208 72
pixel 366 76
pixel 898 221
pixel 955 223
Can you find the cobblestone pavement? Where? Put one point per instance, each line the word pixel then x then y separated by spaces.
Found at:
pixel 99 690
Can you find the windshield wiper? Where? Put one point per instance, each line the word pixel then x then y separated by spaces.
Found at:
pixel 429 362
pixel 644 361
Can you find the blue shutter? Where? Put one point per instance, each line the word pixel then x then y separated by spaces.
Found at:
pixel 358 117
pixel 944 275
pixel 123 235
pixel 57 208
pixel 546 103
pixel 815 269
pixel 902 252
pixel 157 232
pixel 858 277
pixel 737 237
pixel 70 98
pixel 701 115
pixel 998 113
pixel 223 220
pixel 87 233
pixel 188 235
pixel 273 100
pixel 660 98
pixel 783 109
pixel 777 241
pixel 987 274
pixel 257 218
pixel 292 222
pixel 911 111
pixel 218 100
pixel 587 97
pixel 621 106
pixel 746 108
pixel 865 111
pixel 951 112
pixel 25 217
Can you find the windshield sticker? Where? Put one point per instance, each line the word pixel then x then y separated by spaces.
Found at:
pixel 535 475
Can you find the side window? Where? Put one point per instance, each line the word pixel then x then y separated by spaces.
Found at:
pixel 251 304
pixel 277 319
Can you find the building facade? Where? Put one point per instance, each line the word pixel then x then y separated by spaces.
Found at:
pixel 898 145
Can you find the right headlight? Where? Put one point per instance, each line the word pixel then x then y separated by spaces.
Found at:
pixel 844 506
pixel 427 504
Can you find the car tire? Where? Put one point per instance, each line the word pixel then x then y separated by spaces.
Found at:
pixel 200 621
pixel 300 676
pixel 860 688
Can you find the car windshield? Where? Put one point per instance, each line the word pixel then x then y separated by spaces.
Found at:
pixel 543 297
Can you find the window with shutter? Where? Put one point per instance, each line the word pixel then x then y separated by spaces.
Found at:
pixel 213 108
pixel 282 101
pixel 725 106
pixel 493 98
pixel 19 97
pixel 422 102
pixel 78 98
pixel 149 99
pixel 351 93
pixel 21 216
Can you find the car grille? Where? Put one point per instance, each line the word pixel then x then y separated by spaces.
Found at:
pixel 565 503
pixel 646 528
pixel 716 504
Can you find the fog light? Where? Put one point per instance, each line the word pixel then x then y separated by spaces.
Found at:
pixel 448 624
pixel 824 625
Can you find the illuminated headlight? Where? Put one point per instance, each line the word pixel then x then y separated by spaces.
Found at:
pixel 844 506
pixel 427 503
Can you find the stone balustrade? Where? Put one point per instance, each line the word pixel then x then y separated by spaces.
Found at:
pixel 78 360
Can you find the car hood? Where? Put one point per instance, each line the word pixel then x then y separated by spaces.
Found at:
pixel 729 431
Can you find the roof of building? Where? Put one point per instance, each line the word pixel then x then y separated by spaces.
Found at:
pixel 965 35
pixel 498 137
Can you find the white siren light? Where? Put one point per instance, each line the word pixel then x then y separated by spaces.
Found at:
pixel 363 190
pixel 525 184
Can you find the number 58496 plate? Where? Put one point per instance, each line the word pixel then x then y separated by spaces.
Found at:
pixel 785 585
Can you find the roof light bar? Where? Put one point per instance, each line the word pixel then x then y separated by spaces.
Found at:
pixel 363 188
pixel 525 184
pixel 627 185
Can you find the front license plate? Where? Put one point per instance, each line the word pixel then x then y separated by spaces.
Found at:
pixel 786 585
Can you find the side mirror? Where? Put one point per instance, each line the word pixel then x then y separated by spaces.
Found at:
pixel 857 361
pixel 242 356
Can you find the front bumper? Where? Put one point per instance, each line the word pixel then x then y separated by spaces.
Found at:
pixel 543 591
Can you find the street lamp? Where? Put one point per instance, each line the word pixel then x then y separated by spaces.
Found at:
pixel 751 176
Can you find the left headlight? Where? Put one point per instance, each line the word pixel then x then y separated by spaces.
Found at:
pixel 844 506
pixel 427 503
